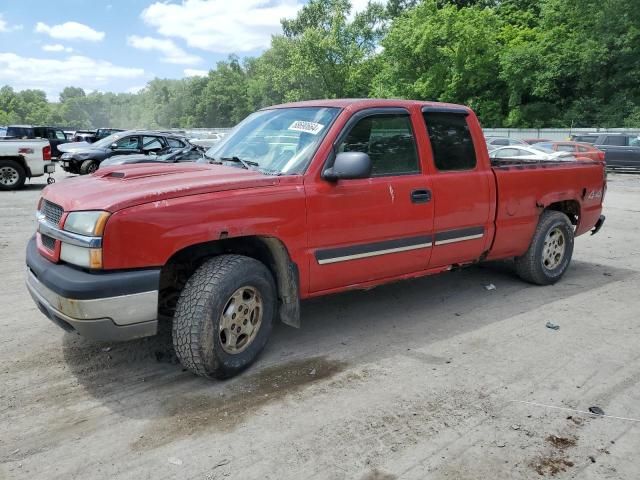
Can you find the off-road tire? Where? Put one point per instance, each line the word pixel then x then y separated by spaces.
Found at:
pixel 88 166
pixel 17 170
pixel 530 267
pixel 195 331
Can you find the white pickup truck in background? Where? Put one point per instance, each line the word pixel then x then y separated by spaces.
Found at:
pixel 22 159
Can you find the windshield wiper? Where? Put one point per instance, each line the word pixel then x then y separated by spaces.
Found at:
pixel 245 163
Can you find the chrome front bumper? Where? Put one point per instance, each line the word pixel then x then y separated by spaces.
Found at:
pixel 123 317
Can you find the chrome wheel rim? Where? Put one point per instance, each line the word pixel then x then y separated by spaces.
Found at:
pixel 9 176
pixel 240 320
pixel 554 248
pixel 92 168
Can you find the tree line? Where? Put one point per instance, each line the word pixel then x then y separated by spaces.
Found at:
pixel 517 63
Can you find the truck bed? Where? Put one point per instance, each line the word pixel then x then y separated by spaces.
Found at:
pixel 526 187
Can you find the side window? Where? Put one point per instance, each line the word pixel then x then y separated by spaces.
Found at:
pixel 151 143
pixel 582 148
pixel 451 141
pixel 566 148
pixel 174 143
pixel 501 142
pixel 389 141
pixel 617 140
pixel 60 135
pixel 127 143
pixel 507 153
pixel 634 142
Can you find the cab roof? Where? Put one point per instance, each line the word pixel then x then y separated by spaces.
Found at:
pixel 360 103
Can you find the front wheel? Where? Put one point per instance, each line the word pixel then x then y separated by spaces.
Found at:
pixel 224 316
pixel 88 167
pixel 549 254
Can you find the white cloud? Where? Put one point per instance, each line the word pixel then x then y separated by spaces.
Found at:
pixel 53 75
pixel 219 25
pixel 170 51
pixel 5 27
pixel 56 47
pixel 70 31
pixel 192 72
pixel 224 26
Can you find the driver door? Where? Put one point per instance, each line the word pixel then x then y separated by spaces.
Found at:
pixel 379 227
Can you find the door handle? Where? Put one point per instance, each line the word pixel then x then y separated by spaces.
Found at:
pixel 421 196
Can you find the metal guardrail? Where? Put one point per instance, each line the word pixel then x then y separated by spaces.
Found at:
pixel 551 133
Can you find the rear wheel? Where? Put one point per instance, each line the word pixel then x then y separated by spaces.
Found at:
pixel 88 166
pixel 224 316
pixel 549 254
pixel 12 175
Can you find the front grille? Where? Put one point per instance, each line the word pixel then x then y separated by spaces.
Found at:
pixel 52 212
pixel 48 242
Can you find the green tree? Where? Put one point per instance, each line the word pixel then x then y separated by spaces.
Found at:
pixel 444 53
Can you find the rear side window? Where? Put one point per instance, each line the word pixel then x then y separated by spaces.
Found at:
pixel 174 143
pixel 451 141
pixel 507 153
pixel 151 143
pixel 566 148
pixel 617 140
pixel 19 132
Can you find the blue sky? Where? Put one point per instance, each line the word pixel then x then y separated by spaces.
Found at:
pixel 119 45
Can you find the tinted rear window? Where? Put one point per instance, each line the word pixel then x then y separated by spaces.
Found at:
pixel 451 141
pixel 19 132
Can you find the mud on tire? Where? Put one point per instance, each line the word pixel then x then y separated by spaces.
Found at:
pixel 549 254
pixel 200 331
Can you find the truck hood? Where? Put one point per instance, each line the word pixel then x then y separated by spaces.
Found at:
pixel 121 186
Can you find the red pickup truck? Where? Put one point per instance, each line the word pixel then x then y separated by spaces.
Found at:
pixel 300 200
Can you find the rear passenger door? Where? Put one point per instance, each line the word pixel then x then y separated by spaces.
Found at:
pixel 152 144
pixel 463 191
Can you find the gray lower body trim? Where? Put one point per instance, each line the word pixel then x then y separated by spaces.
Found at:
pixel 354 252
pixel 115 318
pixel 461 235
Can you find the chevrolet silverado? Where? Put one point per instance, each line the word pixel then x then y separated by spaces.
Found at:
pixel 300 200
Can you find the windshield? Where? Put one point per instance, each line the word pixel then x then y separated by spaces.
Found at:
pixel 278 141
pixel 106 141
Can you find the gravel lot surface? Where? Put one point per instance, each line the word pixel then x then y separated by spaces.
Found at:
pixel 436 378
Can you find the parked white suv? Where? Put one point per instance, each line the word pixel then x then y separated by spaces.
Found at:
pixel 22 159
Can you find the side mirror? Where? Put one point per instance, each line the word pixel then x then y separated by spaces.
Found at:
pixel 349 166
pixel 113 146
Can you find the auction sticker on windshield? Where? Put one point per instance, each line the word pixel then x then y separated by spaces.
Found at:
pixel 306 127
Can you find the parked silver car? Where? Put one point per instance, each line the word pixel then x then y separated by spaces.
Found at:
pixel 529 152
pixel 497 142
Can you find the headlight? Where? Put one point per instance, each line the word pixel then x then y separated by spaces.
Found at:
pixel 89 223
